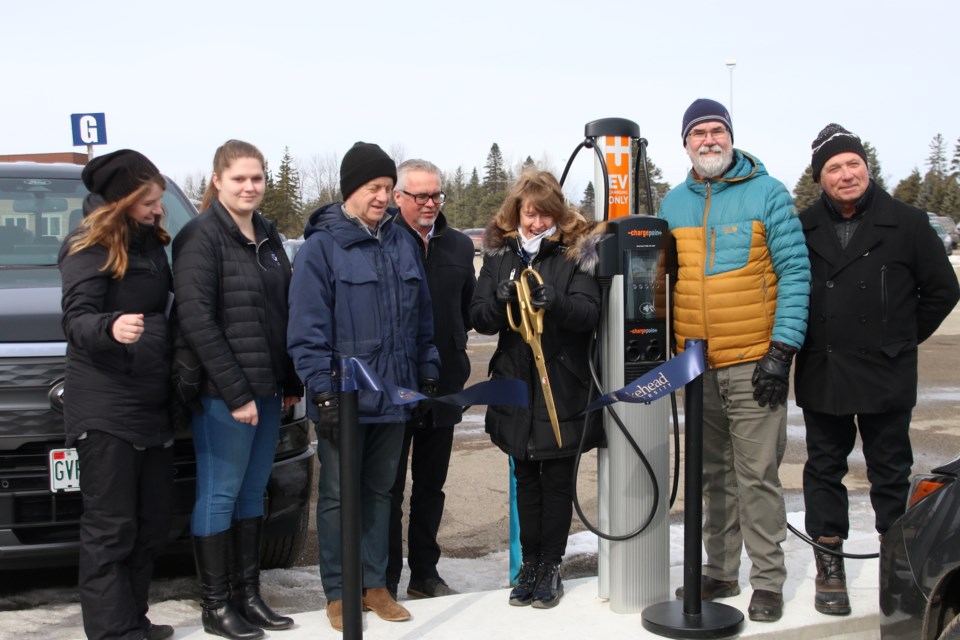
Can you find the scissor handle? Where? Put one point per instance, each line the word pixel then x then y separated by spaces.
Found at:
pixel 530 325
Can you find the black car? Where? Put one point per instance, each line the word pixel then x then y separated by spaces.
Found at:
pixel 40 505
pixel 920 562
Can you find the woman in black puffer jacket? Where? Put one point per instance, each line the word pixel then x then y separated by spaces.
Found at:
pixel 116 295
pixel 231 277
pixel 536 228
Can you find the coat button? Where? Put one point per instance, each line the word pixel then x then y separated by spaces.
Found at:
pixel 829 284
pixel 822 318
pixel 863 318
pixel 829 348
pixel 862 350
pixel 863 285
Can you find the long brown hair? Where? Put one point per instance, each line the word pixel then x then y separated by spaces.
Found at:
pixel 109 227
pixel 228 152
pixel 543 192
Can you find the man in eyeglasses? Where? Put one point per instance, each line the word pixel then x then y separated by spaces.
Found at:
pixel 743 287
pixel 882 284
pixel 359 289
pixel 448 258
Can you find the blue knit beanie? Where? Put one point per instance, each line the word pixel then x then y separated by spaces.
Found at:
pixel 705 110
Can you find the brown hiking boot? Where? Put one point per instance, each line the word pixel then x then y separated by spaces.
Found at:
pixel 711 589
pixel 382 603
pixel 831 597
pixel 335 614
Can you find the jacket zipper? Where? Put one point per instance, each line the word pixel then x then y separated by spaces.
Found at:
pixel 708 248
pixel 883 294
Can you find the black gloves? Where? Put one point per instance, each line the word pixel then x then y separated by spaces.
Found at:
pixel 771 378
pixel 545 296
pixel 428 387
pixel 506 291
pixel 328 416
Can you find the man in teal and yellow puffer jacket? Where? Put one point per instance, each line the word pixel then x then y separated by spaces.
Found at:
pixel 743 287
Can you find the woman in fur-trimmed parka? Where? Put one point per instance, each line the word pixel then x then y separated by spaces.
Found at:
pixel 536 228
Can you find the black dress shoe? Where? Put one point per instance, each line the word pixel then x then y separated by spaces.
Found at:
pixel 158 632
pixel 711 589
pixel 765 606
pixel 429 588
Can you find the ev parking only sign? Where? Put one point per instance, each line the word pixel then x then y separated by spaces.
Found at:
pixel 88 129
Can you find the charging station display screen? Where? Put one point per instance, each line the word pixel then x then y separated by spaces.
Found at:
pixel 640 284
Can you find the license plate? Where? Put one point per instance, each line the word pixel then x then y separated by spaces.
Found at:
pixel 64 470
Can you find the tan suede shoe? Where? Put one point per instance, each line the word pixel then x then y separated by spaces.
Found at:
pixel 382 603
pixel 335 614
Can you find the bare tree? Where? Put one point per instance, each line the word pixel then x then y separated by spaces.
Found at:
pixel 320 179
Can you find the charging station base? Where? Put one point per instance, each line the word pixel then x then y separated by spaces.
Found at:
pixel 715 620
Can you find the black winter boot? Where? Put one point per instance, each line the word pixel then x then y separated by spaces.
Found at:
pixel 527 579
pixel 246 589
pixel 219 618
pixel 831 597
pixel 549 588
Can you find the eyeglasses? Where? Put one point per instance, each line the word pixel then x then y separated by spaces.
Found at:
pixel 421 198
pixel 699 135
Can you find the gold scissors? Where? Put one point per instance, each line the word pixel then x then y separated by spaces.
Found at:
pixel 530 327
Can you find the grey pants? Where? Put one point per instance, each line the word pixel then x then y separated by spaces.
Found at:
pixel 743 445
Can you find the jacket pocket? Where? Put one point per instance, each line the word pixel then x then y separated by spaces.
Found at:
pixel 729 246
pixel 358 311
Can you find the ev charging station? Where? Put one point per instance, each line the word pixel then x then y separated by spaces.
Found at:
pixel 633 569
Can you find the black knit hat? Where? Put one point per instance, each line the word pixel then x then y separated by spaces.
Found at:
pixel 834 139
pixel 705 110
pixel 118 174
pixel 361 164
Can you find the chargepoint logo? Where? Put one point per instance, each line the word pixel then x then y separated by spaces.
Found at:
pixel 645 233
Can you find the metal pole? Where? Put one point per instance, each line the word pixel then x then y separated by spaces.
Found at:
pixel 692 618
pixel 350 516
pixel 731 64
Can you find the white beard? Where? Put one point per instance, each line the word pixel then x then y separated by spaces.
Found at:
pixel 711 166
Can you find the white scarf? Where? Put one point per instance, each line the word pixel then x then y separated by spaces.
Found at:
pixel 532 245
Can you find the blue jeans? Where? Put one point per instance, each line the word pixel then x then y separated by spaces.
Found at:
pixel 233 463
pixel 380 446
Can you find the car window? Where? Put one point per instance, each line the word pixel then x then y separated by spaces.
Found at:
pixel 37 213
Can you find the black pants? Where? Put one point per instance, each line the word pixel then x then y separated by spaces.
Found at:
pixel 545 507
pixel 428 468
pixel 127 502
pixel 886 449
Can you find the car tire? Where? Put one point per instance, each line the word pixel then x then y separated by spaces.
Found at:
pixel 951 631
pixel 283 551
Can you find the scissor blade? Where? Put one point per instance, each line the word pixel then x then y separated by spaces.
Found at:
pixel 547 390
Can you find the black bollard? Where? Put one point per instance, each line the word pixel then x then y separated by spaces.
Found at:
pixel 692 618
pixel 352 566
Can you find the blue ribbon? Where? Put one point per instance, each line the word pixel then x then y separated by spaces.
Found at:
pixel 356 375
pixel 671 376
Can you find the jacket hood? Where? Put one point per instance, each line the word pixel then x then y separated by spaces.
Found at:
pixel 322 218
pixel 579 248
pixel 745 167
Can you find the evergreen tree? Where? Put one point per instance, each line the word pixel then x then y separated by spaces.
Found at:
pixel 453 209
pixel 528 165
pixel 495 178
pixel 873 163
pixel 588 203
pixel 807 192
pixel 285 206
pixel 908 189
pixel 932 193
pixel 659 188
pixel 937 160
pixel 473 205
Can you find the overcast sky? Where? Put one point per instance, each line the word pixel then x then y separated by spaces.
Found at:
pixel 444 80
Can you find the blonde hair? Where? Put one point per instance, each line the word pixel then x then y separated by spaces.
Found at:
pixel 109 227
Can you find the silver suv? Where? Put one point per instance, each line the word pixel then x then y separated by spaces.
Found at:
pixel 39 511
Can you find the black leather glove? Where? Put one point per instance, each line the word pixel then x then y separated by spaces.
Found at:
pixel 545 296
pixel 328 416
pixel 771 377
pixel 506 291
pixel 428 387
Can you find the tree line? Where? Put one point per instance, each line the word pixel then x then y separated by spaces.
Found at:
pixel 298 187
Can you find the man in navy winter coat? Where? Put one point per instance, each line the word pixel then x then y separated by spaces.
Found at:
pixel 359 289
